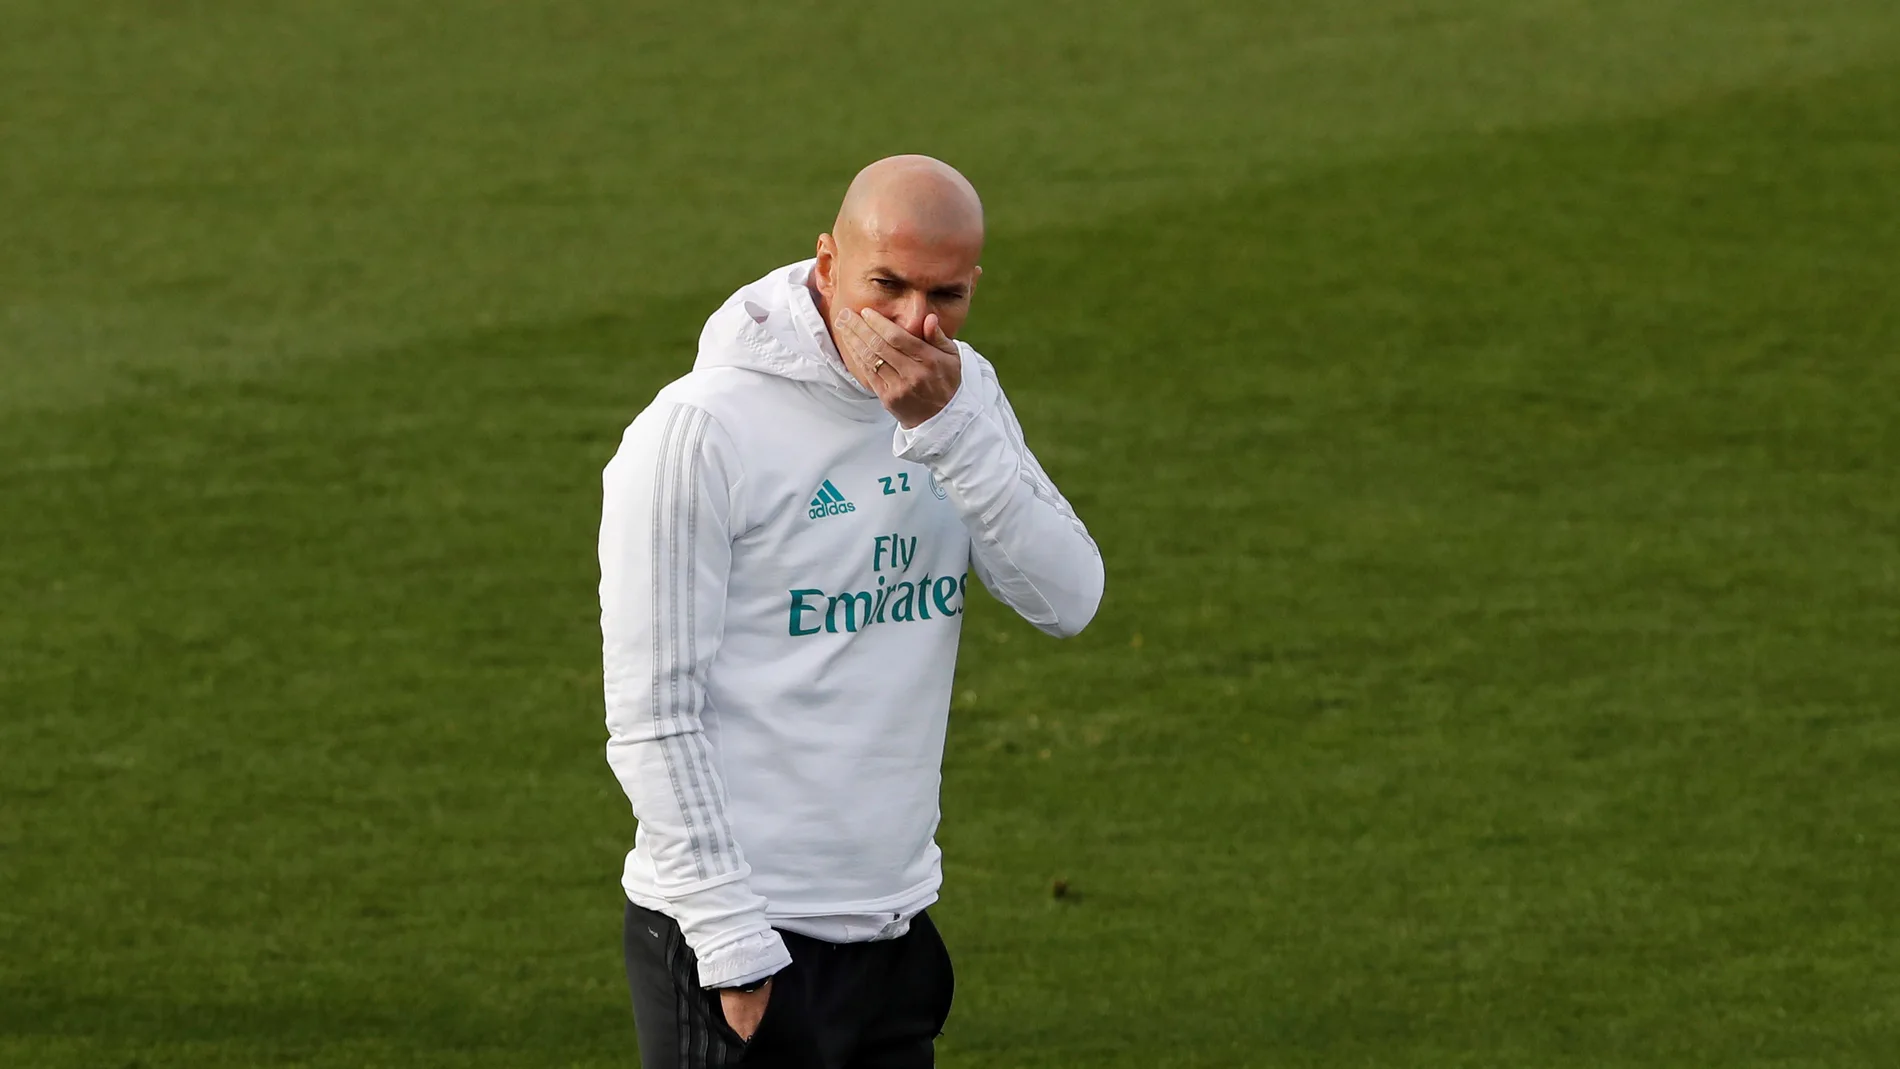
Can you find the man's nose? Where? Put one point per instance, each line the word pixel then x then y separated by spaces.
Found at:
pixel 910 314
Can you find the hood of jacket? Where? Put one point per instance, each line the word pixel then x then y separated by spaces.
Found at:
pixel 773 326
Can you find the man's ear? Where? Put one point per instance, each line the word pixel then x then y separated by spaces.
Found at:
pixel 823 273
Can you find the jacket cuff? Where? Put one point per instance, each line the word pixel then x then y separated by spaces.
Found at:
pixel 743 961
pixel 933 437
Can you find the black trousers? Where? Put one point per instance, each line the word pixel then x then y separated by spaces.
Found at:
pixel 837 1006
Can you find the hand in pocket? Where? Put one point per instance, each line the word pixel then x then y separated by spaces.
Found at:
pixel 744 1009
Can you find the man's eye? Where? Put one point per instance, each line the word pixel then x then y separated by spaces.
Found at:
pixel 888 284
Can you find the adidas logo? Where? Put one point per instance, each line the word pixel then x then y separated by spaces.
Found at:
pixel 829 502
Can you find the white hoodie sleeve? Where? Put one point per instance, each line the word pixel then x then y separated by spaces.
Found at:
pixel 1029 547
pixel 667 513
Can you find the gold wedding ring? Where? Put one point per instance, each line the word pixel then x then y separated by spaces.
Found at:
pixel 877 367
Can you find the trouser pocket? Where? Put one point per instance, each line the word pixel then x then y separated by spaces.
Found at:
pixel 716 1011
pixel 944 975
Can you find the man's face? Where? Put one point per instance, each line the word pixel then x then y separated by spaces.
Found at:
pixel 903 275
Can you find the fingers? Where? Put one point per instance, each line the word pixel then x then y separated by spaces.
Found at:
pixel 910 345
pixel 933 333
pixel 869 332
pixel 860 347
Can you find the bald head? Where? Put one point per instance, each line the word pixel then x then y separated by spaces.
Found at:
pixel 906 243
pixel 914 197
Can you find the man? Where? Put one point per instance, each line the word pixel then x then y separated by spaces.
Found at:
pixel 785 542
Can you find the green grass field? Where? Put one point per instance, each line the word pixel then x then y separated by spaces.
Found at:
pixel 1490 413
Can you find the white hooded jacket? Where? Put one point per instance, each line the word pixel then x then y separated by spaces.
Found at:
pixel 783 572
